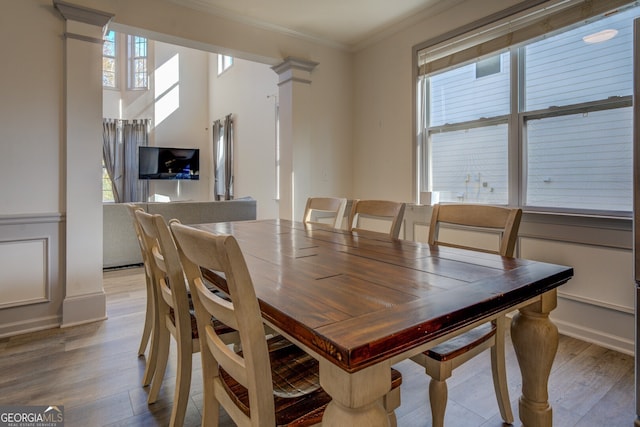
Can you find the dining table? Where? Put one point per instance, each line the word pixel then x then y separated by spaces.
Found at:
pixel 359 302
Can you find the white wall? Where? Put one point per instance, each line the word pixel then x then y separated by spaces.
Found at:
pixel 30 111
pixel 332 94
pixel 181 114
pixel 248 91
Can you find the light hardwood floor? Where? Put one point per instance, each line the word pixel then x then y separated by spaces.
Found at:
pixel 94 372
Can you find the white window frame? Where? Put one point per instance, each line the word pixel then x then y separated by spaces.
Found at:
pixel 516 120
pixel 115 61
pixel 132 58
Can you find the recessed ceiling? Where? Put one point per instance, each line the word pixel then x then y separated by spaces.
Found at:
pixel 341 22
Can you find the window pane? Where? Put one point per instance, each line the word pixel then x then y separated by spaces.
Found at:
pixel 109 45
pixel 140 65
pixel 108 72
pixel 109 60
pixel 140 46
pixel 107 190
pixel 109 65
pixel 581 161
pixel 459 96
pixel 565 70
pixel 471 165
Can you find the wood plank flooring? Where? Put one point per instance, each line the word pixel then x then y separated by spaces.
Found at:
pixel 94 372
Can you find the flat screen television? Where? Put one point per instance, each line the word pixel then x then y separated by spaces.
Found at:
pixel 168 163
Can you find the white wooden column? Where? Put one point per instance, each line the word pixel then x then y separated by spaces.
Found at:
pixel 294 94
pixel 84 31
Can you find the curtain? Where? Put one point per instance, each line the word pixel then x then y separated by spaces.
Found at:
pixel 113 156
pixel 136 134
pixel 121 139
pixel 223 158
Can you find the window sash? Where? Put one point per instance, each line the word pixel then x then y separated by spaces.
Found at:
pixel 109 61
pixel 517 121
pixel 138 62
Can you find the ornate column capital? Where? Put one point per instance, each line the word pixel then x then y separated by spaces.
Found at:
pixel 82 21
pixel 72 12
pixel 294 69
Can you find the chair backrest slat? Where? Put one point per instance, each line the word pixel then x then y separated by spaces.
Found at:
pixel 219 307
pixel 331 205
pixel 498 219
pixel 391 211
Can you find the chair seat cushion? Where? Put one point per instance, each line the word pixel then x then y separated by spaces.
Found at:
pixel 298 398
pixel 462 343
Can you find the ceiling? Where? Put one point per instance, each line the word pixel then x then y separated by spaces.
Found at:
pixel 345 23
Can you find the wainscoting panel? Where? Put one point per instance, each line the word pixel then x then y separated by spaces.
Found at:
pixel 23 272
pixel 602 275
pixel 597 304
pixel 31 285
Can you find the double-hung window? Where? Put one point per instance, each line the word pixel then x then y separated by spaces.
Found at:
pixel 545 123
pixel 137 65
pixel 133 61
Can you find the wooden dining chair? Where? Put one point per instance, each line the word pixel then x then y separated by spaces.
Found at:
pixel 392 212
pixel 175 314
pixel 442 359
pixel 150 303
pixel 241 382
pixel 318 208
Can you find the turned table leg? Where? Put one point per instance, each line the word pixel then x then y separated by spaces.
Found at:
pixel 535 340
pixel 357 397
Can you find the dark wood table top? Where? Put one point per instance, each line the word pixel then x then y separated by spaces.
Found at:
pixel 359 298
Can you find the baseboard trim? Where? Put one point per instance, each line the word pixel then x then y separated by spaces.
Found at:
pixel 31 325
pixel 81 309
pixel 593 336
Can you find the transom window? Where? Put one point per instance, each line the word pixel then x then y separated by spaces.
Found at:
pixel 546 125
